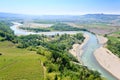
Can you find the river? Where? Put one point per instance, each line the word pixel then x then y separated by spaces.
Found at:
pixel 19 32
pixel 87 57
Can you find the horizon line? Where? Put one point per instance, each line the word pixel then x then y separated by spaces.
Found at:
pixel 59 14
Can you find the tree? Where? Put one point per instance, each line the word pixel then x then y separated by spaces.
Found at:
pixel 56 78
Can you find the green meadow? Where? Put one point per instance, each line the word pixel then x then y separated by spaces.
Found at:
pixel 113 43
pixel 19 64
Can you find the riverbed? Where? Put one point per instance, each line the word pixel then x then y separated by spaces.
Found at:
pixel 87 57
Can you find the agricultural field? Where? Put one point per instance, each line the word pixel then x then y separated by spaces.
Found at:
pixel 98 28
pixel 19 64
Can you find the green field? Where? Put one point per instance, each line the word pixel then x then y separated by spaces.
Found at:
pixel 96 25
pixel 19 64
pixel 113 43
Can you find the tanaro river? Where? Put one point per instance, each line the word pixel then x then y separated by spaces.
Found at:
pixel 87 57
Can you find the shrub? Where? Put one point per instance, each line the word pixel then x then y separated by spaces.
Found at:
pixel 0 53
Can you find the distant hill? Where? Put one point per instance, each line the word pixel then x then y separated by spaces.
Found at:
pixel 88 18
pixel 101 17
pixel 11 15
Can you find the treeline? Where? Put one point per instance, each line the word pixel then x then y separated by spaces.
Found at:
pixel 36 29
pixel 113 44
pixel 5 32
pixel 59 61
pixel 55 27
pixel 65 27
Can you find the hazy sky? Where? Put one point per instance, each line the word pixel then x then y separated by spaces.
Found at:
pixel 60 7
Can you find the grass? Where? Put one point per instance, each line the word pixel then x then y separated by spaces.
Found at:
pixel 115 36
pixel 117 32
pixel 113 43
pixel 20 64
pixel 96 25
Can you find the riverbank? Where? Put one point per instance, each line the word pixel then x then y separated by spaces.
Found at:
pixel 107 59
pixel 77 50
pixel 102 40
pixel 20 32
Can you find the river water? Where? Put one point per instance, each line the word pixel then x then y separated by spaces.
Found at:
pixel 87 57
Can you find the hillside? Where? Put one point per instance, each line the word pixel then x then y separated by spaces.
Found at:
pixel 41 57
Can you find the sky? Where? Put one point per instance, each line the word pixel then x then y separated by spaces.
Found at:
pixel 60 7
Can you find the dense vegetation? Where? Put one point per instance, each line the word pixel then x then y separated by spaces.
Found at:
pixel 58 62
pixel 5 32
pixel 55 27
pixel 114 43
pixel 65 27
pixel 35 29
